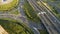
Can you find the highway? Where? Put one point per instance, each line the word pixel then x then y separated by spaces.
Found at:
pixel 20 17
pixel 54 20
pixel 24 18
pixel 49 20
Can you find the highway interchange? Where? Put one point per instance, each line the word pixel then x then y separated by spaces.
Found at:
pixel 49 20
pixel 20 17
pixel 51 23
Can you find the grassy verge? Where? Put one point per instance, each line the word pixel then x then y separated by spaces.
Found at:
pixel 15 27
pixel 9 6
pixel 31 14
pixel 16 12
pixel 8 19
pixel 54 11
pixel 49 0
pixel 43 32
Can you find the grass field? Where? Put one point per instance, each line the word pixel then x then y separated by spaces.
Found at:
pixel 16 12
pixel 54 11
pixel 43 32
pixel 9 6
pixel 29 11
pixel 15 27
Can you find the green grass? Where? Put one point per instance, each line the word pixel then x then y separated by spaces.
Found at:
pixel 16 12
pixel 55 12
pixel 29 11
pixel 9 6
pixel 43 32
pixel 8 19
pixel 49 0
pixel 15 27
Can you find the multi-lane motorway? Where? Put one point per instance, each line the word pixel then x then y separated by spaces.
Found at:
pixel 51 23
pixel 49 20
pixel 20 17
pixel 29 23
